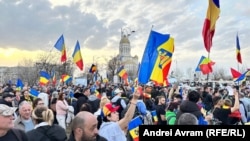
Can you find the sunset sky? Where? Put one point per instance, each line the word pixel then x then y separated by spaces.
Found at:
pixel 30 27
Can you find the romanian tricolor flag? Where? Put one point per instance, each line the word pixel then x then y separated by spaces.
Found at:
pixel 98 95
pixel 93 69
pixel 122 73
pixel 213 13
pixel 157 58
pixel 19 84
pixel 235 74
pixel 205 65
pixel 60 45
pixel 66 78
pixel 77 57
pixel 133 128
pixel 33 92
pixel 242 77
pixel 238 55
pixel 154 115
pixel 44 78
pixel 53 77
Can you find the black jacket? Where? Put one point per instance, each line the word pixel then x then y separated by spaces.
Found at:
pixel 98 138
pixel 47 133
pixel 188 107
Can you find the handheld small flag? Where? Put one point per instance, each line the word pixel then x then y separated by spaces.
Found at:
pixel 44 78
pixel 93 69
pixel 153 113
pixel 34 92
pixel 19 84
pixel 133 128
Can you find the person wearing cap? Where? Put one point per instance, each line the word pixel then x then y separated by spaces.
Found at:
pixel 7 99
pixel 119 101
pixel 150 105
pixel 112 128
pixel 7 132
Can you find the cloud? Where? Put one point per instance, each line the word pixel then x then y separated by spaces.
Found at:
pixel 36 25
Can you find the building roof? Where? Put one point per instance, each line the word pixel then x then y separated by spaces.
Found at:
pixel 124 39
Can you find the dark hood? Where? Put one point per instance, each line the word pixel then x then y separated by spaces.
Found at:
pixel 189 107
pixel 55 132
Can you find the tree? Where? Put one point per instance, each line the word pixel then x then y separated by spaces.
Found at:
pixel 112 67
pixel 26 71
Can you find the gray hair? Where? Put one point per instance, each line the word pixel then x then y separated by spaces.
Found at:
pixel 187 119
pixel 24 103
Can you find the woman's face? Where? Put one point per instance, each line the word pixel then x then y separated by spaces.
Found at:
pixel 114 116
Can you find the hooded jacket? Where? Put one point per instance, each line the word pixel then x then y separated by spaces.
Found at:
pixel 47 133
pixel 188 107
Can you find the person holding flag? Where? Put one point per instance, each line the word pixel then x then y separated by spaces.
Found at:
pixel 112 128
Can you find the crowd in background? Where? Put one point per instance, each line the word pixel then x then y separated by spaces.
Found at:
pixel 103 111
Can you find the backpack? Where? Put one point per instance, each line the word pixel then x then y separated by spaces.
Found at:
pixel 148 119
pixel 169 118
pixel 137 112
pixel 244 108
pixel 118 103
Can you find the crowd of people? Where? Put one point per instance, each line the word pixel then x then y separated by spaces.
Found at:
pixel 103 111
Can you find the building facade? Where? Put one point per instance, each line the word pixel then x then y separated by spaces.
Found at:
pixel 130 62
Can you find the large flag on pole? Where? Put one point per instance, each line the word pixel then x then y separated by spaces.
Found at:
pixel 77 56
pixel 157 58
pixel 205 65
pixel 238 55
pixel 235 74
pixel 60 45
pixel 213 13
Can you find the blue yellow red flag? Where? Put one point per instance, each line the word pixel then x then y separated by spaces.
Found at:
pixel 133 128
pixel 44 78
pixel 93 68
pixel 60 45
pixel 205 65
pixel 122 73
pixel 238 54
pixel 19 84
pixel 154 115
pixel 242 77
pixel 213 13
pixel 77 56
pixel 235 74
pixel 157 58
pixel 33 92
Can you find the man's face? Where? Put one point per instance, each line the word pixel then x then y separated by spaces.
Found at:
pixel 25 111
pixel 9 99
pixel 6 122
pixel 90 131
pixel 162 101
pixel 148 89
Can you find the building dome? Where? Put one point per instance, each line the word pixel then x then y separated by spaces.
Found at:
pixel 125 40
